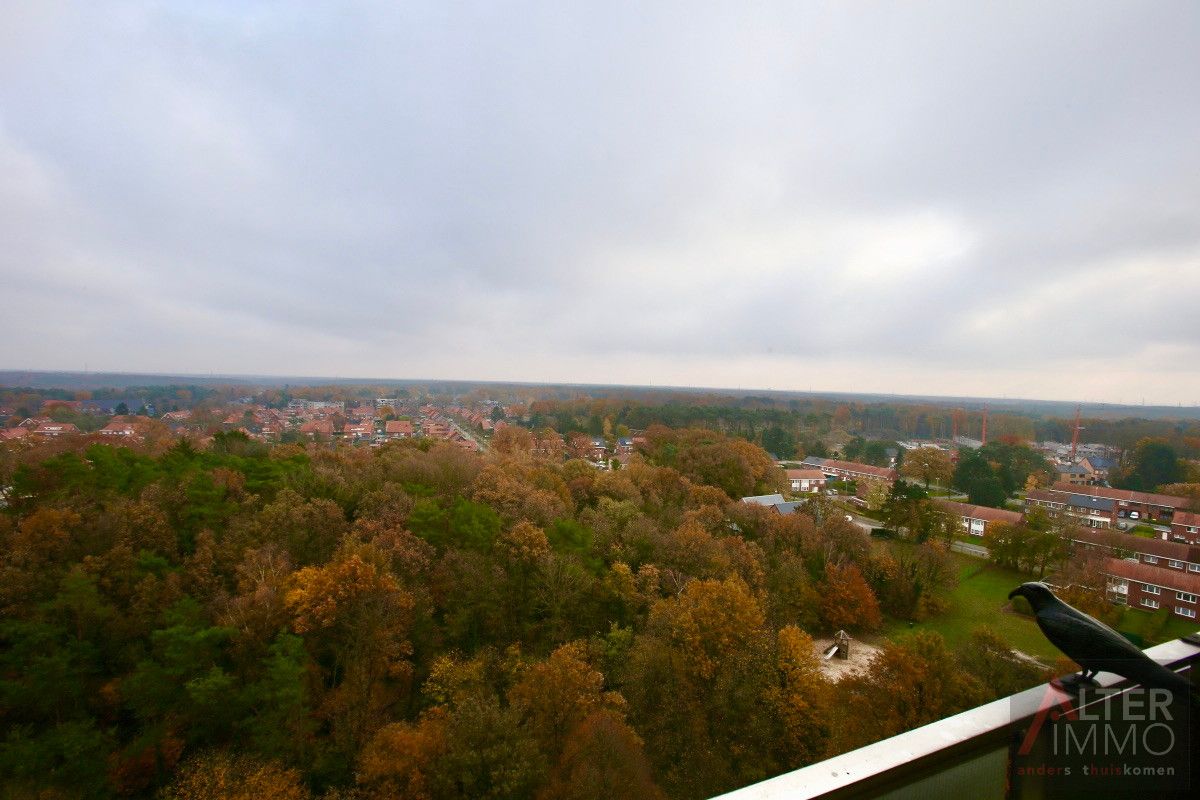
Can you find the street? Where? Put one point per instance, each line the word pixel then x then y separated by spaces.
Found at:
pixel 966 548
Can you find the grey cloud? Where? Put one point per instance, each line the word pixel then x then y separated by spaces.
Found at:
pixel 607 190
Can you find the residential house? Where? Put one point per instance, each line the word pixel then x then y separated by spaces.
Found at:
pixel 1159 553
pixel 975 519
pixel 13 434
pixel 359 430
pixel 1149 588
pixel 398 428
pixel 121 430
pixel 1185 527
pixel 1072 474
pixel 54 430
pixel 317 427
pixel 773 501
pixel 1098 468
pixel 436 429
pixel 850 470
pixel 1092 511
pixel 806 480
pixel 1128 505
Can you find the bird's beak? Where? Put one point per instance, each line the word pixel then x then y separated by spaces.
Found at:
pixel 1014 593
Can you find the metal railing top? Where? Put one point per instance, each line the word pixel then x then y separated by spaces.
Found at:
pixel 890 764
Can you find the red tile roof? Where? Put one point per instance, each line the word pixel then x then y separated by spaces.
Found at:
pixel 805 475
pixel 1128 495
pixel 1045 495
pixel 56 428
pixel 979 512
pixel 1106 537
pixel 1157 576
pixel 865 469
pixel 403 426
pixel 1186 518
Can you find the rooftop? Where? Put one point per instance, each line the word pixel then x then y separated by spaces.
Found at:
pixel 980 512
pixel 1128 495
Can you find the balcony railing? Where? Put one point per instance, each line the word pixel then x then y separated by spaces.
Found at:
pixel 969 756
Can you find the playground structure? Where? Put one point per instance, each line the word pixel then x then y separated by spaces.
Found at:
pixel 840 646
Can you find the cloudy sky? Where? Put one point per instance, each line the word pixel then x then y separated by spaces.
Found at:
pixel 937 198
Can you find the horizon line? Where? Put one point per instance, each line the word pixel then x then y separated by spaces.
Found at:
pixel 237 378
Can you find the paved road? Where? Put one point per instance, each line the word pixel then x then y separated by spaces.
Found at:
pixel 966 548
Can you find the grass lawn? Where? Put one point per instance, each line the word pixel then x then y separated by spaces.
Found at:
pixel 978 600
pixel 1134 620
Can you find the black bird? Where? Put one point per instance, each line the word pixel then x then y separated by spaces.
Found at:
pixel 1093 645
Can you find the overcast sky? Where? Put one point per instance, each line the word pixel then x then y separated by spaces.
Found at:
pixel 932 198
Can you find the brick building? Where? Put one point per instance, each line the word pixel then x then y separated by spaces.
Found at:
pixel 1185 527
pixel 806 480
pixel 975 519
pixel 1150 588
pixel 1100 504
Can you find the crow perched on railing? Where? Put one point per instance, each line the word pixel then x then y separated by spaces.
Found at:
pixel 1093 645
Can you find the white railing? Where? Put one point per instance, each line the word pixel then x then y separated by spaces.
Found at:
pixel 967 756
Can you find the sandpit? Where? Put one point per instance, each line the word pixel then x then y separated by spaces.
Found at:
pixel 837 668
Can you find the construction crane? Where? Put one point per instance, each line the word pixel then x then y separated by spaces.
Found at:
pixel 1075 433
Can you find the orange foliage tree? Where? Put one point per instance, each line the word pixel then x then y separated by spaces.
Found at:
pixel 847 601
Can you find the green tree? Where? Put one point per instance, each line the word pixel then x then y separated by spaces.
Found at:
pixel 780 442
pixel 975 477
pixel 1153 464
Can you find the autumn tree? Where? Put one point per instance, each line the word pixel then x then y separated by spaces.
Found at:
pixel 929 465
pixel 355 618
pixel 706 690
pixel 555 696
pixel 1000 669
pixel 602 758
pixel 401 760
pixel 909 683
pixel 847 601
pixel 222 776
pixel 802 696
pixel 512 440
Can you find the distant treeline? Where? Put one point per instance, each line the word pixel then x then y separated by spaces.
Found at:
pixel 783 427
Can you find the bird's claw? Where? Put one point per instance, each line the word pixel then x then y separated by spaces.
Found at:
pixel 1073 683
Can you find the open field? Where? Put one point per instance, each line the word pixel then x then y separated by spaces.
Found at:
pixel 981 598
pixel 1135 621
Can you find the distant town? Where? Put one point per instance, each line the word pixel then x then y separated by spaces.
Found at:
pixel 1156 566
pixel 357 587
